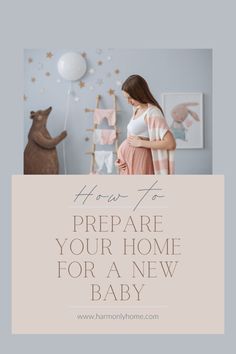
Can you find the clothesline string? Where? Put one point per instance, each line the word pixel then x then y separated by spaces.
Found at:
pixel 65 125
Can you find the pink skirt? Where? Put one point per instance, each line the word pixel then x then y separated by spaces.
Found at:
pixel 134 160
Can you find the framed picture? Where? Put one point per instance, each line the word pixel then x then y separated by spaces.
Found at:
pixel 184 115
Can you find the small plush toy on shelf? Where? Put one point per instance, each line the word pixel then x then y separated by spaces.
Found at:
pixel 40 155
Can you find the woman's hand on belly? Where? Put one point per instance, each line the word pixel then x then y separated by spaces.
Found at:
pixel 120 164
pixel 135 141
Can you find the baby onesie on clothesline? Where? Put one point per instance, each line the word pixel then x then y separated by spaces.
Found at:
pixel 104 157
pixel 104 136
pixel 100 114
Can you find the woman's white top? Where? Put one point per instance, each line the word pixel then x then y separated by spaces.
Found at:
pixel 137 125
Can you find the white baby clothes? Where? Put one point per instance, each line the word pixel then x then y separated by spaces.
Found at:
pixel 104 157
pixel 104 136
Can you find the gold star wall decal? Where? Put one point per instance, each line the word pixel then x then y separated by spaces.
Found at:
pixel 111 92
pixel 47 73
pixel 99 62
pixel 117 71
pixel 49 55
pixel 33 79
pixel 30 60
pixel 81 84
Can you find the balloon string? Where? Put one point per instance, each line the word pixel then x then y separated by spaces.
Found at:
pixel 65 124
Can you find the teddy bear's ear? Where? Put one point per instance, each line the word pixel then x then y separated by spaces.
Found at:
pixel 32 114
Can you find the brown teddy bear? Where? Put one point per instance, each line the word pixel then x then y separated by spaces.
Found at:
pixel 40 155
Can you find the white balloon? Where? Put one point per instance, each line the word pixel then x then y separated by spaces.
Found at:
pixel 71 66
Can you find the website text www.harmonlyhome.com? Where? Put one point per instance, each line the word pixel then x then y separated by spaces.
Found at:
pixel 120 316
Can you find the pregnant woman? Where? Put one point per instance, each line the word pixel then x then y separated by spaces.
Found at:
pixel 149 147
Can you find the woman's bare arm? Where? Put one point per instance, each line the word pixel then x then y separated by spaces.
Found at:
pixel 167 143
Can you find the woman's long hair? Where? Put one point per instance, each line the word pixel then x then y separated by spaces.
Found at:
pixel 138 89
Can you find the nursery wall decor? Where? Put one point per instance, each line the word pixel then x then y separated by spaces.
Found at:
pixel 183 112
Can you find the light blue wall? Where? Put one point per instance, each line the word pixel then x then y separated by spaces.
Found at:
pixel 165 70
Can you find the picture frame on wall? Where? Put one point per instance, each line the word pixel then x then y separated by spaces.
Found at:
pixel 184 115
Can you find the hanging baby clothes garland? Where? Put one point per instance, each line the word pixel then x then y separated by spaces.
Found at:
pixel 103 158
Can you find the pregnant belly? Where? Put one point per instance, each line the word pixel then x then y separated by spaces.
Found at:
pixel 134 160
